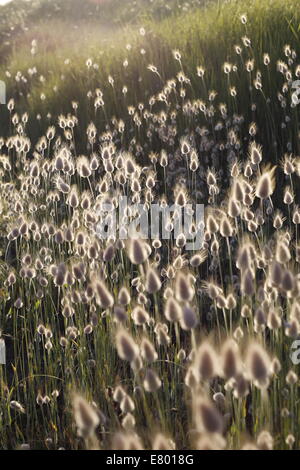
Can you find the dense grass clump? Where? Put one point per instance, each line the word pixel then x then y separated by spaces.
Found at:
pixel 126 341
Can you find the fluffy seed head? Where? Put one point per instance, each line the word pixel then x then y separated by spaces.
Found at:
pixel 184 292
pixel 266 183
pixel 172 310
pixel 103 297
pixel 152 381
pixel 230 357
pixel 205 365
pixel 86 417
pixel 153 283
pixel 207 417
pixel 126 346
pixel 137 251
pixel 258 365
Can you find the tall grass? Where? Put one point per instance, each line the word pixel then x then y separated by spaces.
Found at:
pixel 204 37
pixel 147 344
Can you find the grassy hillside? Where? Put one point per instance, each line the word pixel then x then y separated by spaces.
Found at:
pixel 204 37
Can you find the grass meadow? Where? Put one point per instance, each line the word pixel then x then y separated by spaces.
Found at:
pixel 134 342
